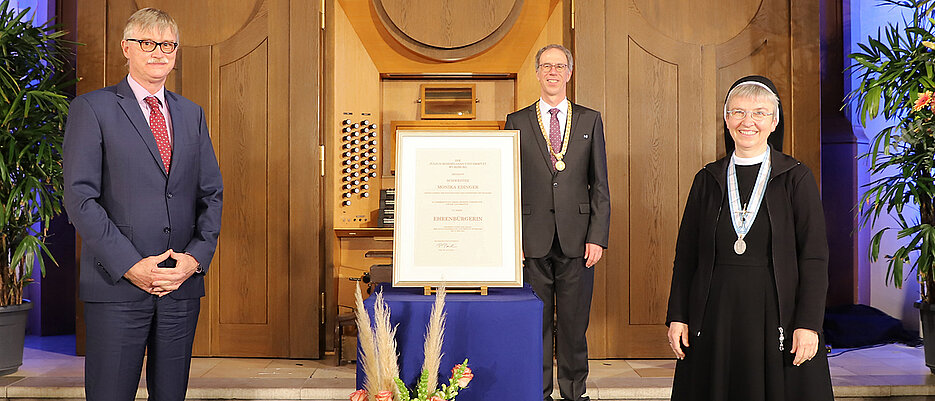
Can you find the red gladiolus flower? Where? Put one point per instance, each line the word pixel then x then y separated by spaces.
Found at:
pixel 924 99
pixel 385 395
pixel 465 377
pixel 359 395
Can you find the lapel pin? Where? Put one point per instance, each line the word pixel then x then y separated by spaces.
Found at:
pixel 585 136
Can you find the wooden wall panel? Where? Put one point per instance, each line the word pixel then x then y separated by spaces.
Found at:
pixel 306 222
pixel 243 155
pixel 252 303
pixel 698 22
pixel 659 70
pixel 806 86
pixel 651 145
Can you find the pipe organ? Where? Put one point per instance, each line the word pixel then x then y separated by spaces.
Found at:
pixel 387 74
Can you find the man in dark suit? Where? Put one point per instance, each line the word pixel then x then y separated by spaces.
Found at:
pixel 566 215
pixel 143 189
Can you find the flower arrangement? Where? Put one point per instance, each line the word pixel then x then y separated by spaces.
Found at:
pixel 379 360
pixel 896 80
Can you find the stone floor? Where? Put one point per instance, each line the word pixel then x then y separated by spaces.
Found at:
pixel 51 371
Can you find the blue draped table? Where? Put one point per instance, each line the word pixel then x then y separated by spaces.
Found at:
pixel 500 334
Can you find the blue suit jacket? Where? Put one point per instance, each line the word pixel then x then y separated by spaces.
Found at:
pixel 122 202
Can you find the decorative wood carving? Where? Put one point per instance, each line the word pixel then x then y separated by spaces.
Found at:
pixel 448 30
pixel 447 24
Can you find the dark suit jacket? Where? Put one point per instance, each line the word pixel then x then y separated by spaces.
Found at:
pixel 576 201
pixel 122 202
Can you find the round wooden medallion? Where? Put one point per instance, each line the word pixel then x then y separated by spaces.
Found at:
pixel 448 29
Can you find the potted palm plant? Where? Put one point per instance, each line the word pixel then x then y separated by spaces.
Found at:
pixel 33 75
pixel 896 73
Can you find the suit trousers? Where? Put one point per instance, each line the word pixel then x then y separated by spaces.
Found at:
pixel 120 333
pixel 564 285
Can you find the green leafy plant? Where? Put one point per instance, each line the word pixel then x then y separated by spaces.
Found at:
pixel 896 72
pixel 33 78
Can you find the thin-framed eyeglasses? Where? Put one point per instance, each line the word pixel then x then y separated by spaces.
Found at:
pixel 149 46
pixel 740 114
pixel 549 66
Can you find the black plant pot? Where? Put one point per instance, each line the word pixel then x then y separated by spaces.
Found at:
pixel 927 314
pixel 12 336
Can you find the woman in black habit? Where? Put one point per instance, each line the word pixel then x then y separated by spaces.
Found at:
pixel 750 273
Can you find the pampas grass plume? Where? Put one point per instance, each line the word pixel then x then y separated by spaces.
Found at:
pixel 368 357
pixel 385 336
pixel 434 336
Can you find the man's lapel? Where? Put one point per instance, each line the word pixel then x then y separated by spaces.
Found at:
pixel 178 131
pixel 131 108
pixel 575 115
pixel 540 139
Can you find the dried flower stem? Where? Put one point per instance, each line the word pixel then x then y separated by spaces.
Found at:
pixel 368 359
pixel 385 336
pixel 434 336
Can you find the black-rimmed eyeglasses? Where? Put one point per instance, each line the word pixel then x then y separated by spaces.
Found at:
pixel 147 45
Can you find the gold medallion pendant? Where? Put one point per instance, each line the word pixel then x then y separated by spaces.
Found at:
pixel 559 164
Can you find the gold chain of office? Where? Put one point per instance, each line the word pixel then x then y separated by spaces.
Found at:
pixel 559 163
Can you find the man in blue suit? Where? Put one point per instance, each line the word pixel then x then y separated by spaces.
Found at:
pixel 143 189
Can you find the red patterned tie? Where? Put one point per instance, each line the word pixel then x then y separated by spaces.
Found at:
pixel 157 123
pixel 555 134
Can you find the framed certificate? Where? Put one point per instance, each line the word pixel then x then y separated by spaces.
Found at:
pixel 457 209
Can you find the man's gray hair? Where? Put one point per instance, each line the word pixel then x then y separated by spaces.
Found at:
pixel 150 19
pixel 571 61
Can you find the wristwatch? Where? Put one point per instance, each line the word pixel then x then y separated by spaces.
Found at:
pixel 198 269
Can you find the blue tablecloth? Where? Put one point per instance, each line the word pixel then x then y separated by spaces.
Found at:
pixel 500 334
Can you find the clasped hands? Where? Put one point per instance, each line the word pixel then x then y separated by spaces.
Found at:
pixel 148 276
pixel 804 342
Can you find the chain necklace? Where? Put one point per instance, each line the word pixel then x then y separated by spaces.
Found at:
pixel 559 163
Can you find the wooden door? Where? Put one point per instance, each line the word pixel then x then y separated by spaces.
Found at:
pixel 659 71
pixel 253 65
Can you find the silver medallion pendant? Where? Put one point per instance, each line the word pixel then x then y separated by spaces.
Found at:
pixel 740 246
